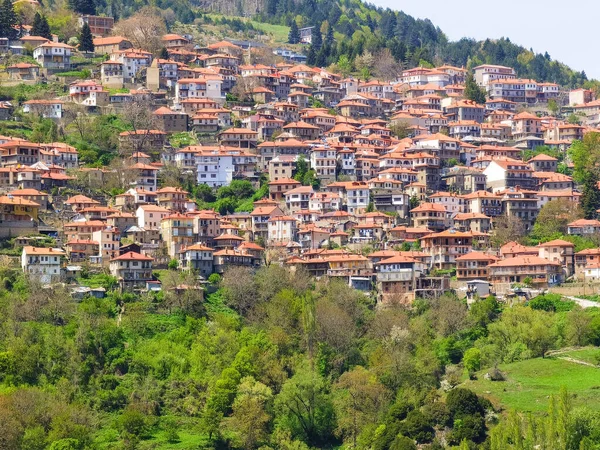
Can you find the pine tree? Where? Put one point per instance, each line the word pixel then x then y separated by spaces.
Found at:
pixel 8 20
pixel 472 91
pixel 329 36
pixel 83 6
pixel 294 34
pixel 311 57
pixel 590 196
pixel 316 38
pixel 86 40
pixel 164 53
pixel 40 27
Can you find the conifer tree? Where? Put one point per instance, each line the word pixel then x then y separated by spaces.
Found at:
pixel 40 27
pixel 294 34
pixel 164 53
pixel 472 91
pixel 83 6
pixel 86 40
pixel 8 20
pixel 590 195
pixel 316 38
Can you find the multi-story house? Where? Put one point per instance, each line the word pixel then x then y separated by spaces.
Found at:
pixel 508 173
pixel 81 250
pixel 582 227
pixel 282 229
pixel 541 272
pixel 151 216
pixel 279 187
pixel 260 220
pixel 111 44
pixel 396 279
pixel 209 86
pixel 99 25
pixel 521 204
pixel 355 195
pixel 170 121
pixel 559 251
pixel 53 56
pixel 42 264
pixel 323 160
pixel 446 246
pixel 109 242
pixel 526 124
pixel 432 216
pixel 473 266
pixel 475 222
pixel 487 73
pixel 132 270
pixel 48 109
pixel 238 137
pixel 199 258
pixel 177 232
pixel 298 198
pixel 466 110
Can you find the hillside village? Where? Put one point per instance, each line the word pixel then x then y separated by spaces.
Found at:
pixel 399 187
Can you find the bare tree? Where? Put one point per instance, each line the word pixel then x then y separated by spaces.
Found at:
pixel 244 86
pixel 385 66
pixel 144 29
pixel 507 228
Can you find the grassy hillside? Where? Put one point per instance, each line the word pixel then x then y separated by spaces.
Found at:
pixel 529 383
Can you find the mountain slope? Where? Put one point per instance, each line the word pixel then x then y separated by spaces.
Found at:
pixel 360 27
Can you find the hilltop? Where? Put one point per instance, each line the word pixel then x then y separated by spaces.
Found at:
pixel 356 28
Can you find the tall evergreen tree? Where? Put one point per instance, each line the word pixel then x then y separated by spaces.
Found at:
pixel 311 58
pixel 8 20
pixel 40 27
pixel 86 40
pixel 590 196
pixel 316 37
pixel 472 91
pixel 164 53
pixel 329 36
pixel 83 6
pixel 294 34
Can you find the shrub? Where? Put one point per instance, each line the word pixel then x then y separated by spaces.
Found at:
pixel 463 402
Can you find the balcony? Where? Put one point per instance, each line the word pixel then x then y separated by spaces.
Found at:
pixel 403 275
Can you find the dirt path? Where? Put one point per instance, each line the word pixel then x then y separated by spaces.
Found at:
pixel 577 361
pixel 584 303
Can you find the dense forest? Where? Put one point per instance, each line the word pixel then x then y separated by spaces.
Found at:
pixel 273 359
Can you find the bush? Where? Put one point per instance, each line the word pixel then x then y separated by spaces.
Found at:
pixel 417 427
pixel 472 360
pixel 463 402
pixel 403 443
pixel 173 264
pixel 551 303
pixel 214 279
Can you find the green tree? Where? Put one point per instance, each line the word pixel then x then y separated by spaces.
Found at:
pixel 250 417
pixel 590 195
pixel 585 155
pixel 8 20
pixel 553 106
pixel 83 6
pixel 359 399
pixel 40 27
pixel 472 360
pixel 344 65
pixel 316 41
pixel 164 53
pixel 553 219
pixel 86 40
pixel 304 407
pixel 294 34
pixel 472 91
